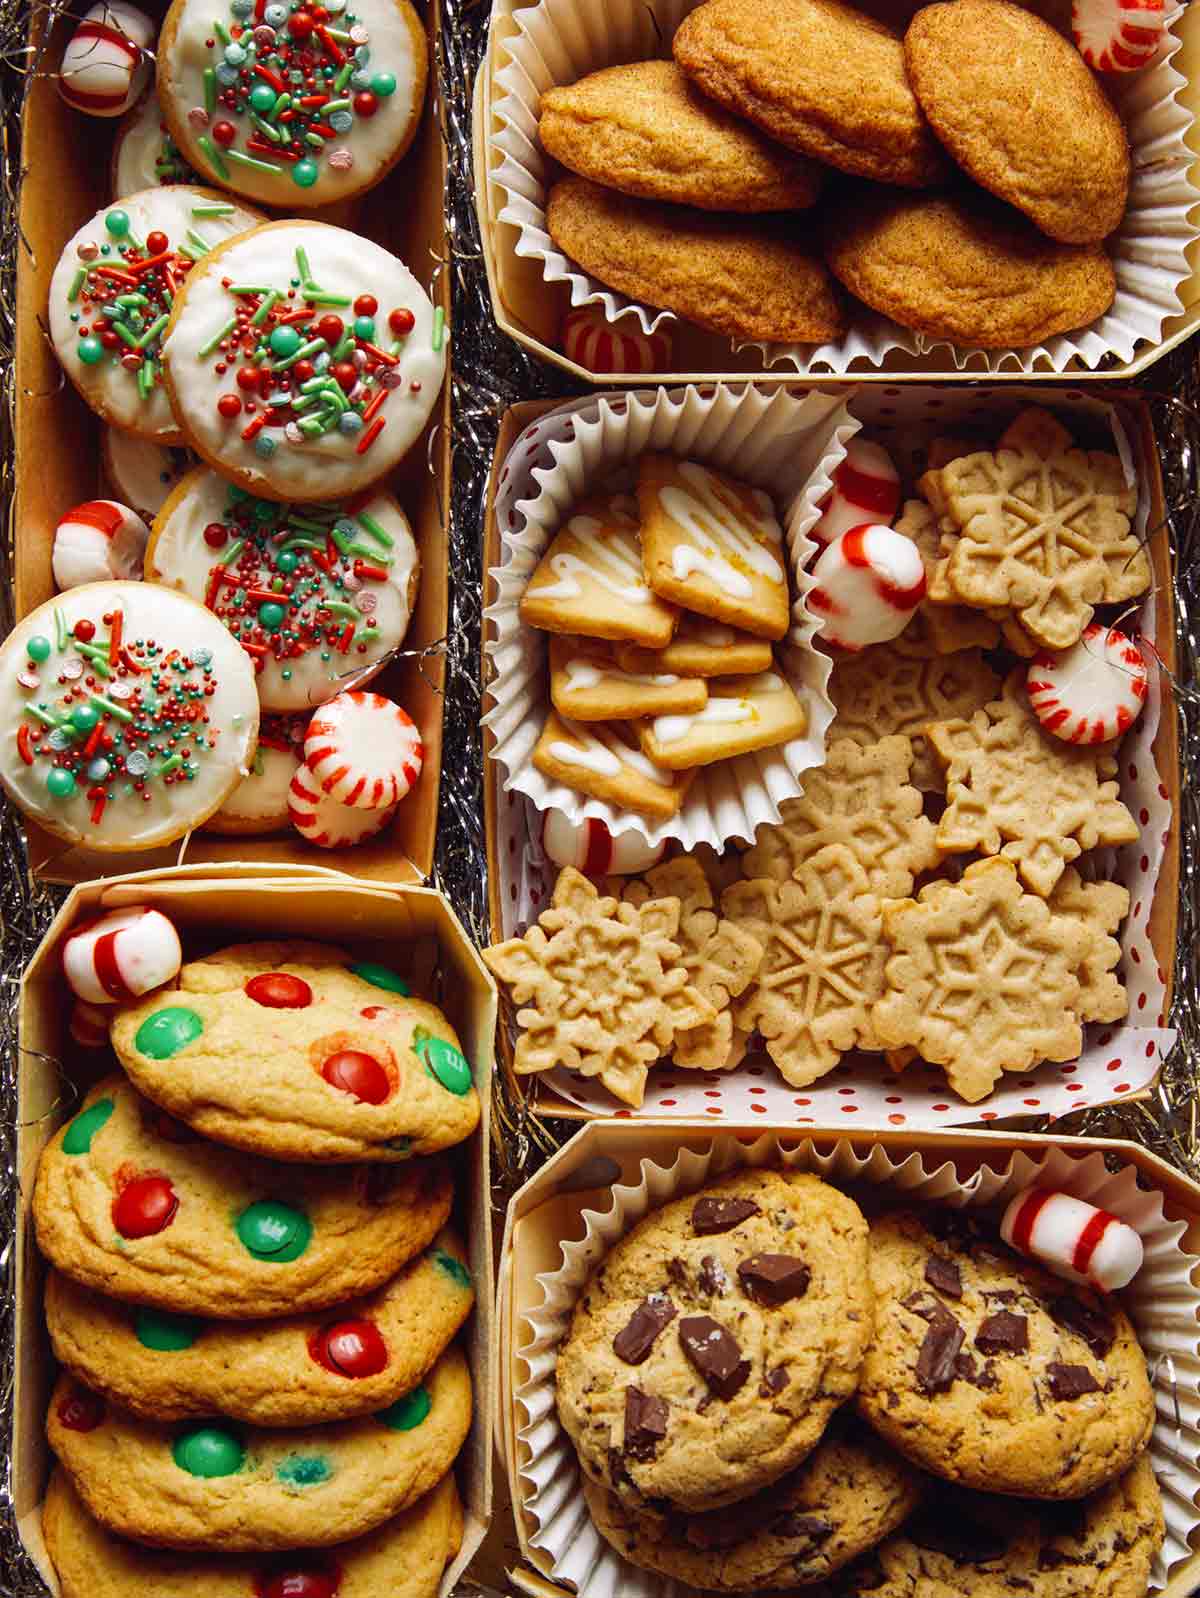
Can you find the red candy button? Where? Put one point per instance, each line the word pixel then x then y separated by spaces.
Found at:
pixel 359 1074
pixel 81 1411
pixel 145 1207
pixel 299 1581
pixel 351 1348
pixel 276 990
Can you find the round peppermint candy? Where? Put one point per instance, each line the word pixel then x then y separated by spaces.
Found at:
pixel 1092 692
pixel 98 541
pixel 866 488
pixel 590 847
pixel 363 750
pixel 105 66
pixel 867 584
pixel 326 822
pixel 121 956
pixel 592 341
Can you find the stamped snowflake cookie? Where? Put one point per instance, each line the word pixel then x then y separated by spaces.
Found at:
pixel 940 625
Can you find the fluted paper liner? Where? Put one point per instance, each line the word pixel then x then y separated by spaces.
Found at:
pixel 1162 1301
pixel 556 42
pixel 787 445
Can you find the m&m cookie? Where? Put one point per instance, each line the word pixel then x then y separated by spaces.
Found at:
pixel 298 1051
pixel 129 1202
pixel 259 803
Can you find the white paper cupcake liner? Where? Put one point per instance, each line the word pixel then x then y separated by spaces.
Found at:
pixel 556 42
pixel 1162 1301
pixel 787 445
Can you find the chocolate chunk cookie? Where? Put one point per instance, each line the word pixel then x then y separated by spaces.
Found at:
pixel 989 1371
pixel 709 1349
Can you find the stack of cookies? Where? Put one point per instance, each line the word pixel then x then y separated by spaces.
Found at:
pixel 765 1393
pixel 256 1287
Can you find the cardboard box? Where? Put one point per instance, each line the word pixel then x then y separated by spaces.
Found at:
pixel 411 928
pixel 547 1211
pixel 58 451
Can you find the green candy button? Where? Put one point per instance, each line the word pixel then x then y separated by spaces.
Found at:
pixel 208 1451
pixel 304 1470
pixel 382 976
pixel 445 1063
pixel 77 1139
pixel 407 1413
pixel 165 1333
pixel 273 1231
pixel 454 1269
pixel 167 1031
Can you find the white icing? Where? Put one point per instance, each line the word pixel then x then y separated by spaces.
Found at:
pixel 138 148
pixel 325 467
pixel 263 795
pixel 718 532
pixel 601 750
pixel 716 713
pixel 595 757
pixel 712 634
pixel 108 387
pixel 763 682
pixel 614 562
pixel 142 473
pixel 582 674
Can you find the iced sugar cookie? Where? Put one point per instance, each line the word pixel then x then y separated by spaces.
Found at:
pixel 144 153
pixel 112 292
pixel 713 545
pixel 586 684
pixel 293 103
pixel 141 472
pixel 259 803
pixel 603 759
pixel 303 361
pixel 701 648
pixel 742 713
pixel 132 714
pixel 318 595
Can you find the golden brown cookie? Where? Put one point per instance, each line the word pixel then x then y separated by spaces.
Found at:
pixel 742 714
pixel 587 684
pixel 942 626
pixel 701 648
pixel 1018 108
pixel 818 76
pixel 603 759
pixel 964 268
pixel 645 129
pixel 732 276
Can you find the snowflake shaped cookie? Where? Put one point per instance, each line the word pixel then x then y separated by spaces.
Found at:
pixel 1100 907
pixel 941 625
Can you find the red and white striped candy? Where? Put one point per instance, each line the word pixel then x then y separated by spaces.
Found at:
pixel 88 1025
pixel 1117 35
pixel 363 750
pixel 591 848
pixel 1092 692
pixel 590 339
pixel 98 542
pixel 866 488
pixel 104 67
pixel 120 956
pixel 867 584
pixel 323 821
pixel 1074 1238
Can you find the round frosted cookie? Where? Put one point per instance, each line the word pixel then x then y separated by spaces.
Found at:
pixel 298 1371
pixel 990 1372
pixel 317 375
pixel 113 288
pixel 292 103
pixel 315 603
pixel 132 1204
pixel 218 1484
pixel 259 803
pixel 713 1343
pixel 144 153
pixel 132 715
pixel 404 1558
pixel 847 1496
pixel 296 1051
pixel 141 472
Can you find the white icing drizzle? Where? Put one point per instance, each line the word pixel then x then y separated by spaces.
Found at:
pixel 717 712
pixel 766 682
pixel 604 752
pixel 583 674
pixel 618 553
pixel 593 758
pixel 714 635
pixel 708 520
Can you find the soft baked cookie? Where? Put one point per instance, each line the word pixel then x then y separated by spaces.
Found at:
pixel 131 1203
pixel 303 361
pixel 300 1052
pixel 602 758
pixel 741 277
pixel 987 1370
pixel 819 77
pixel 1018 109
pixel 112 293
pixel 140 472
pixel 345 94
pixel 586 684
pixel 144 153
pixel 259 803
pixel 847 1495
pixel 298 1371
pixel 214 1484
pixel 315 602
pixel 712 1344
pixel 742 713
pixel 701 648
pixel 645 129
pixel 404 1558
pixel 964 268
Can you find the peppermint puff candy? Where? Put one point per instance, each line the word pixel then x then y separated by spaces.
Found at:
pixel 104 67
pixel 1075 1239
pixel 1117 35
pixel 867 584
pixel 591 848
pixel 98 542
pixel 88 1025
pixel 121 956
pixel 363 750
pixel 866 488
pixel 323 821
pixel 1092 692
pixel 590 339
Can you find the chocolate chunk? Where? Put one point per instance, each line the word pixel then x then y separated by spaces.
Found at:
pixel 1070 1381
pixel 944 1276
pixel 944 1528
pixel 775 1381
pixel 1054 1559
pixel 1003 1333
pixel 713 1215
pixel 713 1280
pixel 774 1279
pixel 714 1353
pixel 1086 1320
pixel 919 1304
pixel 1000 1295
pixel 616 1468
pixel 634 1342
pixel 645 1423
pixel 811 1530
pixel 967 1369
pixel 677 1274
pixel 939 1350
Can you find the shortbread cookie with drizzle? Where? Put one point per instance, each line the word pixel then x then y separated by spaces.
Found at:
pixel 113 291
pixel 144 153
pixel 140 472
pixel 602 759
pixel 291 102
pixel 318 595
pixel 303 361
pixel 742 713
pixel 132 712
